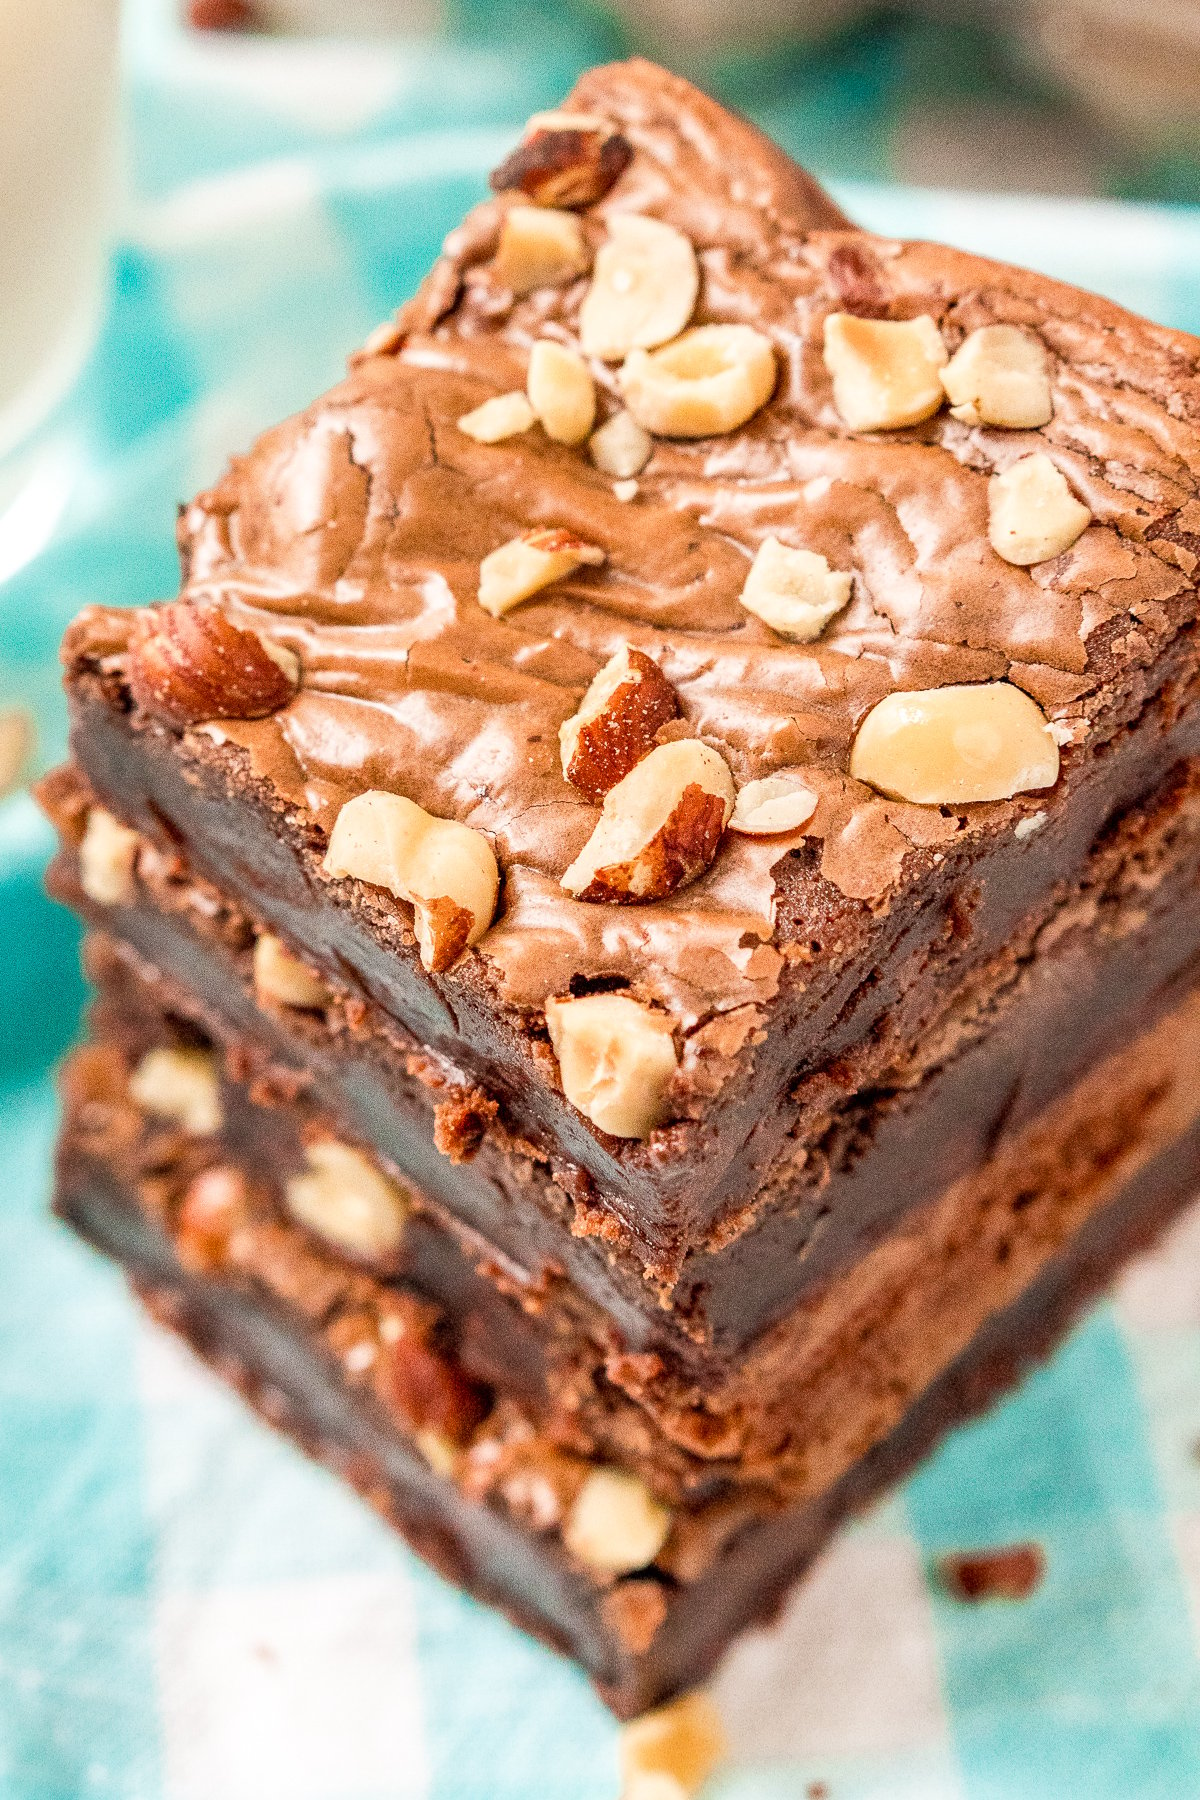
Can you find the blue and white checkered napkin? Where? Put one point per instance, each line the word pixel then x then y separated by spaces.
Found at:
pixel 188 1610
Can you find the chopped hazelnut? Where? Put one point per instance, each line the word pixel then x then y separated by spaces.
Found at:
pixel 684 1740
pixel 503 416
pixel 439 1453
pixel 946 746
pixel 659 827
pixel 529 563
pixel 208 1214
pixel 616 1060
pixel 345 1199
pixel 616 723
pixel 772 806
pixel 565 159
pixel 795 592
pixel 539 247
pixel 643 290
pixel 1032 513
pixel 561 392
pixel 625 491
pixel 278 975
pixel 705 383
pixel 615 1524
pixel 107 859
pixel 998 376
pixel 620 447
pixel 446 871
pixel 886 372
pixel 179 1084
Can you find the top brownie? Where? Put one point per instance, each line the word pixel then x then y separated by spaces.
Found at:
pixel 667 454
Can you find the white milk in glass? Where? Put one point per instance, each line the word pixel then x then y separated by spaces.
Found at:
pixel 58 90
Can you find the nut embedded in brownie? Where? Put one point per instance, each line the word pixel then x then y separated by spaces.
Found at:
pixel 676 784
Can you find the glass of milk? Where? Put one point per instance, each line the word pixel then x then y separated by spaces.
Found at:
pixel 58 109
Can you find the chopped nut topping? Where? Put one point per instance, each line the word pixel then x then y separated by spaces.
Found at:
pixel 998 376
pixel 620 447
pixel 503 416
pixel 684 1740
pixel 565 159
pixel 208 1214
pixel 659 826
pixel 345 1199
pixel 772 806
pixel 709 381
pixel 946 746
pixel 278 975
pixel 526 564
pixel 615 1524
pixel 439 1453
pixel 539 248
pixel 1032 513
pixel 616 1060
pixel 643 290
pixel 107 859
pixel 181 1085
pixel 614 728
pixel 886 372
pixel 625 491
pixel 795 592
pixel 561 392
pixel 189 663
pixel 446 871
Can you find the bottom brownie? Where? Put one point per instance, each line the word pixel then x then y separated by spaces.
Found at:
pixel 644 1634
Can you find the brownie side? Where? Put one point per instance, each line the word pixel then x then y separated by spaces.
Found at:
pixel 641 1639
pixel 804 1400
pixel 879 1132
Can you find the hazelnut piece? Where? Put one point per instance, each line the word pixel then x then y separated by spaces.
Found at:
pixel 643 289
pixel 430 1392
pixel 615 1524
pixel 614 728
pixel 503 416
pixel 188 663
pixel 107 859
pixel 684 1740
pixel 526 564
pixel 709 381
pixel 561 391
pixel 1032 513
pixel 998 376
pixel 280 976
pixel 772 806
pixel 620 447
pixel 210 1211
pixel 945 746
pixel 539 248
pixel 345 1199
pixel 446 871
pixel 659 826
pixel 795 592
pixel 886 372
pixel 179 1084
pixel 616 1060
pixel 565 159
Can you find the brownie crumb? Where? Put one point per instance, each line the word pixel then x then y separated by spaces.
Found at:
pixel 220 15
pixel 1009 1573
pixel 817 1790
pixel 459 1124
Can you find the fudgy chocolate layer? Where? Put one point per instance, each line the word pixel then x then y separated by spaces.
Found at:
pixel 805 1399
pixel 1111 952
pixel 653 1634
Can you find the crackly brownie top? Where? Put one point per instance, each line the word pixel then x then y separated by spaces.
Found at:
pixel 354 535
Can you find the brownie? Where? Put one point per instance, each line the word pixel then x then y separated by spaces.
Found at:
pixel 656 855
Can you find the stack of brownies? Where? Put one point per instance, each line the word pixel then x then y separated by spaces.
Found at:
pixel 645 899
